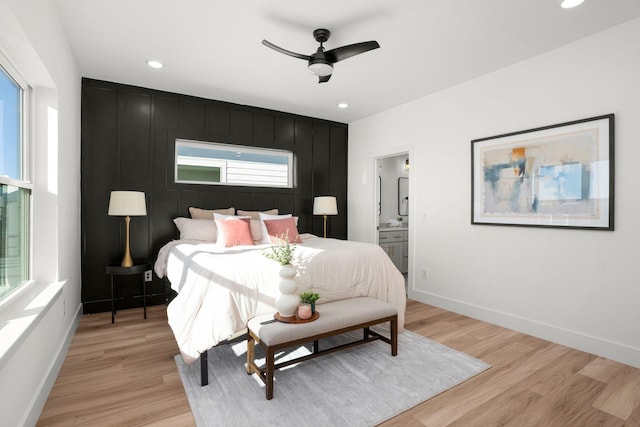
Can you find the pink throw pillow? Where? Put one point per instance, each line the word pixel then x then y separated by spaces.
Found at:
pixel 279 228
pixel 233 232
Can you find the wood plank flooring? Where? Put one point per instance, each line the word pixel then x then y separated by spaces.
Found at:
pixel 125 375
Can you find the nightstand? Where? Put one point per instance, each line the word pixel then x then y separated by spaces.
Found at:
pixel 117 270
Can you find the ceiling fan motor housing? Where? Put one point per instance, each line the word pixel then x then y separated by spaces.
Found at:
pixel 321 35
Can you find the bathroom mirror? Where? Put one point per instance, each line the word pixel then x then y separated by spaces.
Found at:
pixel 403 196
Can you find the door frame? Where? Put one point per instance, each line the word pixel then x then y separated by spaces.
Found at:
pixel 409 151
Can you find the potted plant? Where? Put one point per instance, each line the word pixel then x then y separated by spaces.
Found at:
pixel 281 252
pixel 310 298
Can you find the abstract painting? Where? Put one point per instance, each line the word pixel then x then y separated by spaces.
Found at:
pixel 553 176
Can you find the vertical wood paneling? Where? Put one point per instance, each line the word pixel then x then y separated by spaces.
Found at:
pixel 128 136
pixel 241 124
pixel 135 165
pixel 338 186
pixel 304 130
pixel 285 131
pixel 192 115
pixel 265 129
pixel 218 120
pixel 321 171
pixel 163 203
pixel 100 168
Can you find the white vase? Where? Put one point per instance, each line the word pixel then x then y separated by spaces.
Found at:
pixel 287 302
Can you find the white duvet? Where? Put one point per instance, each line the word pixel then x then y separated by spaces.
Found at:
pixel 220 289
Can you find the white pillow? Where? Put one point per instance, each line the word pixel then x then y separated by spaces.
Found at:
pixel 197 229
pixel 263 227
pixel 222 217
pixel 256 214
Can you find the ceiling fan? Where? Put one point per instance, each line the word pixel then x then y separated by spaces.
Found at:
pixel 321 62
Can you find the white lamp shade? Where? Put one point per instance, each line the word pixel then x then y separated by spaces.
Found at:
pixel 325 205
pixel 127 203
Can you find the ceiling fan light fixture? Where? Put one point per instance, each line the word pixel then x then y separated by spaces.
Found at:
pixel 320 69
pixel 568 4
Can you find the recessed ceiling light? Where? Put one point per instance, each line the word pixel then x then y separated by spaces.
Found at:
pixel 568 4
pixel 154 64
pixel 343 105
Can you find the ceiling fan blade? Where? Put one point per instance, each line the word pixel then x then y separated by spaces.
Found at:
pixel 344 52
pixel 324 79
pixel 285 51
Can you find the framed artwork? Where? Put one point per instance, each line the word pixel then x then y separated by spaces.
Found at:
pixel 559 176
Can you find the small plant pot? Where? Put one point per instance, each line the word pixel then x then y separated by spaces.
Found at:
pixel 304 311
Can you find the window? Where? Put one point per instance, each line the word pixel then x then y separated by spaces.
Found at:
pixel 226 164
pixel 15 189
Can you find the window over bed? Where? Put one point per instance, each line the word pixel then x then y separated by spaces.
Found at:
pixel 213 163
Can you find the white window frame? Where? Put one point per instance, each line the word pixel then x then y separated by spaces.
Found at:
pixel 25 180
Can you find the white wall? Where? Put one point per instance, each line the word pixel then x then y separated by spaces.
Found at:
pixel 580 288
pixel 32 37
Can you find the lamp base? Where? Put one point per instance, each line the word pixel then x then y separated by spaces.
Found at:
pixel 127 261
pixel 325 226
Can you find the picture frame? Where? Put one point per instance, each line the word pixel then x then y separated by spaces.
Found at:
pixel 559 176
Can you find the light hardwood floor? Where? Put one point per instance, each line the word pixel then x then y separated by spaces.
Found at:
pixel 125 375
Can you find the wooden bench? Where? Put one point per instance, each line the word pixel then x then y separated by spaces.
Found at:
pixel 336 318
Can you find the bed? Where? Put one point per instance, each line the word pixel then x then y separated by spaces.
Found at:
pixel 219 289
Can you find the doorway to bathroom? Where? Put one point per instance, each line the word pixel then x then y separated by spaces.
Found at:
pixel 392 228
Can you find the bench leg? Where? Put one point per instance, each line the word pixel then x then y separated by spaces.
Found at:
pixel 204 369
pixel 394 336
pixel 251 352
pixel 316 346
pixel 270 359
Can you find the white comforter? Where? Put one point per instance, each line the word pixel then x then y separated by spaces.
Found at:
pixel 219 289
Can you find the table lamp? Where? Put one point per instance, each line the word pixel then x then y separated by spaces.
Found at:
pixel 325 205
pixel 127 204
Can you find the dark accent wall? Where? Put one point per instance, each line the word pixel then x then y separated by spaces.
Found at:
pixel 128 136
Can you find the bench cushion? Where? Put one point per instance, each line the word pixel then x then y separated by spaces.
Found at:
pixel 333 315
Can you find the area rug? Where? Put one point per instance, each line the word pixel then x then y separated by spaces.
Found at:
pixel 360 386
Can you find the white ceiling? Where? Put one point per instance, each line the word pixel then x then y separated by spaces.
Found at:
pixel 212 48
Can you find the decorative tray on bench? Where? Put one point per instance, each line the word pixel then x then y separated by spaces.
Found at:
pixel 295 319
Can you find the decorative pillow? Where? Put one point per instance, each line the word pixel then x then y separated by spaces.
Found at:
pixel 217 215
pixel 264 232
pixel 197 213
pixel 256 223
pixel 256 214
pixel 233 232
pixel 196 229
pixel 279 229
pixel 256 230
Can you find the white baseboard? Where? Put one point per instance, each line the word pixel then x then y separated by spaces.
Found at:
pixel 591 344
pixel 41 397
